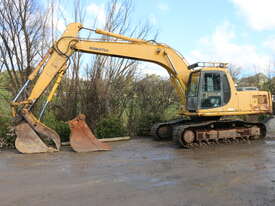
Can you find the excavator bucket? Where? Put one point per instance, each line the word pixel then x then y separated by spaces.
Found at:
pixel 30 133
pixel 82 139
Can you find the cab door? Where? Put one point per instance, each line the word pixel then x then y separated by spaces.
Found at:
pixel 214 89
pixel 193 92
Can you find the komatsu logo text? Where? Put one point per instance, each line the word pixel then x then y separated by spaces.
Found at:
pixel 99 49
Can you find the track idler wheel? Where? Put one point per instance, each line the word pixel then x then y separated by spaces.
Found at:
pixel 164 132
pixel 187 137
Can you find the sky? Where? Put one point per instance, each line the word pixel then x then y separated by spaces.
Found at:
pixel 240 32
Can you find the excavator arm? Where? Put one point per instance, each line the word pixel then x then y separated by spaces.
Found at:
pixel 54 65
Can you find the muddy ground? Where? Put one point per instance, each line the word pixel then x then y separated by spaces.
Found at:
pixel 142 172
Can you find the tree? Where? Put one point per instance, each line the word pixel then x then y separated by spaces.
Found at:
pixel 108 82
pixel 22 28
pixel 235 72
pixel 152 97
pixel 269 84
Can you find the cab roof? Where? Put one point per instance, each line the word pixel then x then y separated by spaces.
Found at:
pixel 208 66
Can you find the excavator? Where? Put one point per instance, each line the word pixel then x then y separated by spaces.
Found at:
pixel 206 93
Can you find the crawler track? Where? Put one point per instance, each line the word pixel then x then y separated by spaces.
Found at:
pixel 190 134
pixel 222 131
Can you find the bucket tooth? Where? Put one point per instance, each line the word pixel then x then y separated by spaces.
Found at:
pixel 82 138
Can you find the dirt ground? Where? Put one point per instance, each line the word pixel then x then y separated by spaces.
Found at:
pixel 142 172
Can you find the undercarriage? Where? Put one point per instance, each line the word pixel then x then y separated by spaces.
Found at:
pixel 190 133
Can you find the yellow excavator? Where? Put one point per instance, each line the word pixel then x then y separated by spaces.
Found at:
pixel 206 93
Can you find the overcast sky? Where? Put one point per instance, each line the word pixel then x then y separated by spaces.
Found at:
pixel 240 32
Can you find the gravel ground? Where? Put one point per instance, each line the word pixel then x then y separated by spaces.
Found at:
pixel 142 172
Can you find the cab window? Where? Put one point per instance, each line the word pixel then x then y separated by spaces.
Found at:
pixel 194 85
pixel 211 90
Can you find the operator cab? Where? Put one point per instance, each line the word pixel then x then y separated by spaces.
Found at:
pixel 208 86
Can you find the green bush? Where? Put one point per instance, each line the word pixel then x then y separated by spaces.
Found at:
pixel 61 127
pixel 4 124
pixel 147 120
pixel 7 135
pixel 171 112
pixel 145 123
pixel 110 127
pixel 263 117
